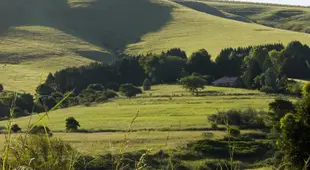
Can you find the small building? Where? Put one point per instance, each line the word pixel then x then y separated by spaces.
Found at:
pixel 228 82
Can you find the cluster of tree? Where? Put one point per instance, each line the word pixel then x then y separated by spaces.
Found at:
pixel 264 67
pixel 13 104
pixel 290 126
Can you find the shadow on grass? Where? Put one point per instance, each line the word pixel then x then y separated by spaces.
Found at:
pixel 205 8
pixel 110 24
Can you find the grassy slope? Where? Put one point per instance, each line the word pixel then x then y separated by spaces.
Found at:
pixel 156 110
pixel 192 30
pixel 284 17
pixel 46 35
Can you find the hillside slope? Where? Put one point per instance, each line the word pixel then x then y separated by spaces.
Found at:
pixel 191 30
pixel 41 36
pixel 284 17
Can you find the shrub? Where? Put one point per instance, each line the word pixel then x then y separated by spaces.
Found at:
pixel 72 124
pixel 129 90
pixel 294 88
pixel 234 132
pixel 306 89
pixel 246 118
pixel 40 130
pixel 15 128
pixel 95 87
pixel 147 85
pixel 102 98
pixel 267 89
pixel 110 93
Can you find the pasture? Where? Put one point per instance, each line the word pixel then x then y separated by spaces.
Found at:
pixel 169 117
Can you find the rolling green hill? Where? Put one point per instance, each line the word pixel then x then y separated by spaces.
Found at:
pixel 41 36
pixel 284 17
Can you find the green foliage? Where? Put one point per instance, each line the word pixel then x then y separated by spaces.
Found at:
pixel 306 89
pixel 233 131
pixel 15 128
pixel 245 118
pixel 193 83
pixel 147 85
pixel 295 136
pixel 163 69
pixel 40 130
pixel 200 62
pixel 110 93
pixel 267 89
pixel 95 87
pixel 42 153
pixel 175 52
pixel 129 90
pixel 72 124
pixel 294 88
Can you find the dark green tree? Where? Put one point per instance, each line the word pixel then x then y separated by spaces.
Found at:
pixel 193 83
pixel 295 136
pixel 95 87
pixel 72 124
pixel 200 62
pixel 129 90
pixel 15 128
pixel 50 80
pixel 147 85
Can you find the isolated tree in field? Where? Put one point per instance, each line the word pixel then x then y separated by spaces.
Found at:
pixel 193 83
pixel 129 90
pixel 147 85
pixel 72 124
pixel 15 128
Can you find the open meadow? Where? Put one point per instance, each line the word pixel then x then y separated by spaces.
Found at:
pixel 166 107
pixel 168 117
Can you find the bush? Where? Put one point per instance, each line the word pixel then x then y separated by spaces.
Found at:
pixel 147 85
pixel 246 118
pixel 41 130
pixel 234 132
pixel 268 90
pixel 95 87
pixel 72 124
pixel 129 90
pixel 15 128
pixel 102 98
pixel 306 89
pixel 110 94
pixel 294 88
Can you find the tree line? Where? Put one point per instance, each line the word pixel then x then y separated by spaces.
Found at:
pixel 265 67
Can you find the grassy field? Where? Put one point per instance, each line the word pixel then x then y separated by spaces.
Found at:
pixel 166 107
pixel 43 36
pixel 169 118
